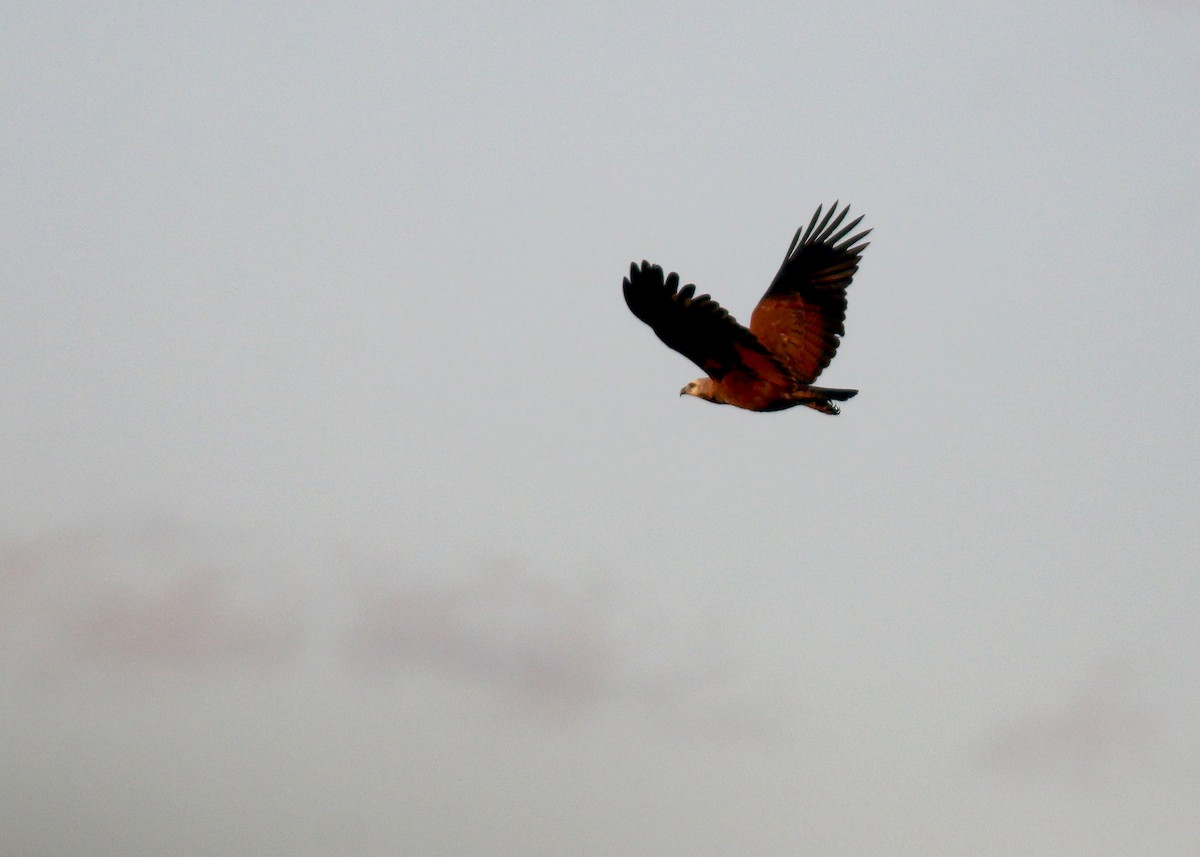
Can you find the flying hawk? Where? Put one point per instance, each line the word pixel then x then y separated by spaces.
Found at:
pixel 794 331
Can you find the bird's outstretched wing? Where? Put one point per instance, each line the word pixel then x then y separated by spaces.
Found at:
pixel 699 328
pixel 803 313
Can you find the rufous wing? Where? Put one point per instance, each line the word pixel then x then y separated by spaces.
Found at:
pixel 801 317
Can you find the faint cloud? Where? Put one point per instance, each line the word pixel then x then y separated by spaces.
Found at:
pixel 1083 738
pixel 554 646
pixel 148 598
pixel 190 625
pixel 19 566
pixel 165 600
pixel 510 630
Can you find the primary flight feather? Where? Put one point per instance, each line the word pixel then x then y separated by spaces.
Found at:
pixel 794 331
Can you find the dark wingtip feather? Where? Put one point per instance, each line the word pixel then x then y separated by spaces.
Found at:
pixel 857 249
pixel 815 235
pixel 845 230
pixel 826 230
pixel 803 233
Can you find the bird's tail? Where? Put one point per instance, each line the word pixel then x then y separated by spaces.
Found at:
pixel 833 393
pixel 822 398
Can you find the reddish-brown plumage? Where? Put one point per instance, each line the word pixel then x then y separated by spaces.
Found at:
pixel 794 331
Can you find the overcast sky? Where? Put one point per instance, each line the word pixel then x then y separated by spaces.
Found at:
pixel 347 509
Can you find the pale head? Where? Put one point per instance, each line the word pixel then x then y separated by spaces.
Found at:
pixel 702 388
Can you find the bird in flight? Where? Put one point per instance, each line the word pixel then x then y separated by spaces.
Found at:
pixel 794 331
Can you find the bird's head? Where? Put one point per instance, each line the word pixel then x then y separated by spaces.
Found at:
pixel 701 388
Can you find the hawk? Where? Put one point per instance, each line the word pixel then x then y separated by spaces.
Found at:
pixel 794 331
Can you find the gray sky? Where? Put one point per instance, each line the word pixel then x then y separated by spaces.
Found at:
pixel 348 510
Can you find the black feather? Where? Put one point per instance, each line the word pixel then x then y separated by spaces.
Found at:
pixel 697 327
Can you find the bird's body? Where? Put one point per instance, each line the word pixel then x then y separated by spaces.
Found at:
pixel 794 331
